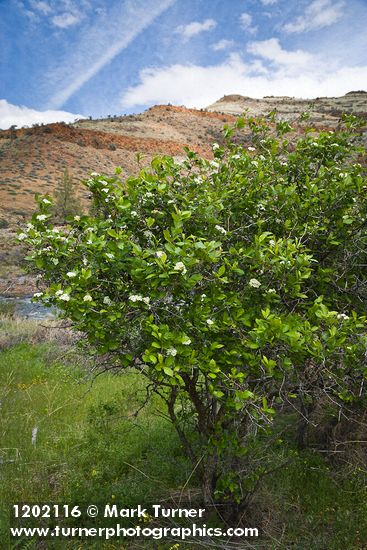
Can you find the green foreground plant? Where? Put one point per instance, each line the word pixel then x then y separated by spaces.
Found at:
pixel 235 286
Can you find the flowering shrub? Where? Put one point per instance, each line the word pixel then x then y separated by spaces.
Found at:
pixel 234 285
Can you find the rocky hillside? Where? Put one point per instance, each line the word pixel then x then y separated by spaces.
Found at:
pixel 324 111
pixel 33 159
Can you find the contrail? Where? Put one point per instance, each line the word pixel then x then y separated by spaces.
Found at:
pixel 120 27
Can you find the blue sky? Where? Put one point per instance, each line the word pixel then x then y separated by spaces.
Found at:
pixel 66 58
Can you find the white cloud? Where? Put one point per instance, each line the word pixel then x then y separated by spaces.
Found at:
pixel 100 43
pixel 24 116
pixel 268 2
pixel 318 14
pixel 66 20
pixel 198 86
pixel 194 28
pixel 222 45
pixel 42 7
pixel 271 50
pixel 246 23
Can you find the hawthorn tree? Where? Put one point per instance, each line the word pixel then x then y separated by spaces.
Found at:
pixel 234 285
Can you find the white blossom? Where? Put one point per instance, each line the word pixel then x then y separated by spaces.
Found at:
pixel 109 255
pixel 172 351
pixel 105 190
pixel 209 322
pixel 271 291
pixel 160 253
pixel 37 294
pixel 214 164
pixel 71 274
pixel 215 146
pixel 22 236
pixel 30 225
pixel 46 201
pixel 87 298
pixel 135 297
pixel 59 292
pixel 77 218
pixel 94 174
pixel 221 229
pixel 186 341
pixel 64 297
pixel 254 283
pixel 342 316
pixel 146 300
pixel 251 148
pixel 180 266
pixel 55 261
pixel 41 217
pixel 107 300
pixel 133 213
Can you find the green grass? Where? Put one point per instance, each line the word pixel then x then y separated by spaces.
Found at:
pixel 91 448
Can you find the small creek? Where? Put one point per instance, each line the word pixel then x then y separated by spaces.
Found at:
pixel 27 309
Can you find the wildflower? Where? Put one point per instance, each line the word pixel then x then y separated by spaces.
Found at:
pixel 146 300
pixel 37 294
pixel 214 164
pixel 105 190
pixel 160 254
pixel 209 322
pixel 172 351
pixel 64 297
pixel 107 300
pixel 254 283
pixel 46 201
pixel 55 261
pixel 186 341
pixel 221 229
pixel 94 174
pixel 133 213
pixel 77 218
pixel 251 148
pixel 59 292
pixel 110 256
pixel 148 194
pixel 22 236
pixel 180 266
pixel 135 297
pixel 71 274
pixel 41 217
pixel 30 226
pixel 342 316
pixel 215 146
pixel 271 291
pixel 87 298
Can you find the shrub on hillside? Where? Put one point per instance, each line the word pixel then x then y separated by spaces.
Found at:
pixel 234 285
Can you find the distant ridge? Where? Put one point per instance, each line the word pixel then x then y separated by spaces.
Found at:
pixel 324 110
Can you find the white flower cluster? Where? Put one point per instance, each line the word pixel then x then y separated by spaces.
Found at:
pixel 342 316
pixel 139 298
pixel 221 229
pixel 62 295
pixel 71 274
pixel 172 351
pixel 180 266
pixel 107 300
pixel 254 283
